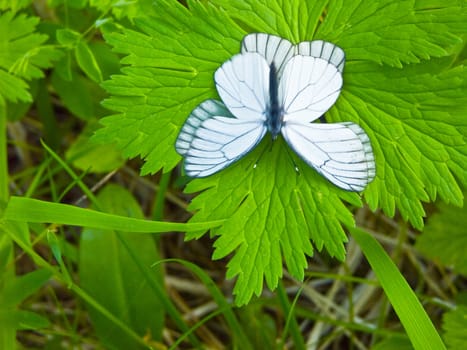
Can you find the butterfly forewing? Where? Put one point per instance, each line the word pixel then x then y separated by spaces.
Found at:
pixel 217 134
pixel 242 83
pixel 308 87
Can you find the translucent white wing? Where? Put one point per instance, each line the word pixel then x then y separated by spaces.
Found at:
pixel 212 138
pixel 207 109
pixel 243 85
pixel 273 48
pixel 325 50
pixel 309 86
pixel 341 152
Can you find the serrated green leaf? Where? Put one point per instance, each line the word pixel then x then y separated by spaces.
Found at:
pixel 414 117
pixel 295 20
pixel 22 50
pixel 13 89
pixel 22 55
pixel 166 78
pixel 383 31
pixel 454 326
pixel 17 110
pixel 394 32
pixel 272 212
pixel 445 238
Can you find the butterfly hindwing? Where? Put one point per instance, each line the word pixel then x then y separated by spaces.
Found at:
pixel 212 139
pixel 205 110
pixel 273 48
pixel 341 152
pixel 324 50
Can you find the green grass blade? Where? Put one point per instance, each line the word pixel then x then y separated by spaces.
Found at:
pixel 7 331
pixel 413 317
pixel 33 210
pixel 158 211
pixel 197 325
pixel 291 324
pixel 3 157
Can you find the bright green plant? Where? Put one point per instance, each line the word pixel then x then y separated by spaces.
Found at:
pixel 404 83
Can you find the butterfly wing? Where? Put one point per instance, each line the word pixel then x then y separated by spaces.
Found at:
pixel 324 50
pixel 212 138
pixel 273 48
pixel 217 134
pixel 243 85
pixel 308 87
pixel 341 152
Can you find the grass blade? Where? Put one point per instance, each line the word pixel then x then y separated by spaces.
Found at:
pixel 33 210
pixel 413 317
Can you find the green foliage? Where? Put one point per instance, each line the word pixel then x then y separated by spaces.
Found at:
pixel 404 82
pixel 445 238
pixel 32 210
pixel 125 8
pixel 22 287
pixel 14 5
pixel 415 119
pixel 410 103
pixel 23 55
pixel 393 343
pixel 77 76
pixel 261 328
pixel 110 275
pixel 271 213
pixel 15 289
pixel 88 156
pixel 170 72
pixel 394 32
pixel 454 325
pixel 413 317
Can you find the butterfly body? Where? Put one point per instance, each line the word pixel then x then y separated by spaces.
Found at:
pixel 277 87
pixel 274 111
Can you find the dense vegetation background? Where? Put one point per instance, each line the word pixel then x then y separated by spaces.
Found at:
pixel 103 241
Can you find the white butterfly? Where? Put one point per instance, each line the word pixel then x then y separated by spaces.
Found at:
pixel 275 86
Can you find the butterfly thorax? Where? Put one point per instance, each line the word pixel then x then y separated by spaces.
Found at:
pixel 274 112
